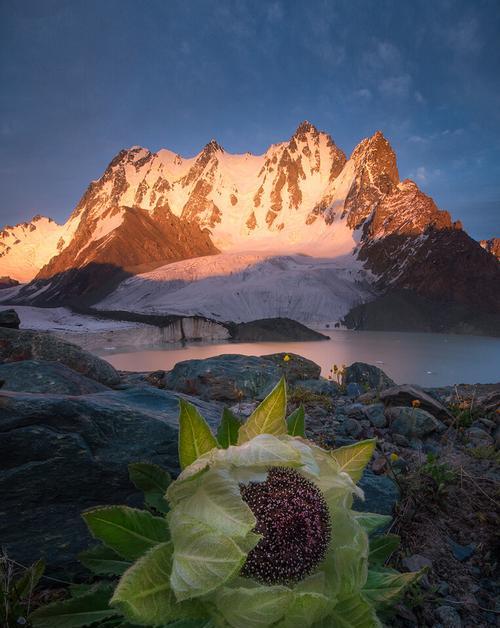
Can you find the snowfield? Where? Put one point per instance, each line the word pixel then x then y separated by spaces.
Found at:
pixel 242 287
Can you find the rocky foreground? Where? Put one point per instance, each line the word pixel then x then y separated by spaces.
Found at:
pixel 70 424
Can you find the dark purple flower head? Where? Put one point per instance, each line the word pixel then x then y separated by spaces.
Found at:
pixel 292 516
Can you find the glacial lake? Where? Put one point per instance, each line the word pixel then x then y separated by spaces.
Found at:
pixel 416 358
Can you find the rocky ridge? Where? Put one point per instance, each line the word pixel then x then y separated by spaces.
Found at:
pixel 301 196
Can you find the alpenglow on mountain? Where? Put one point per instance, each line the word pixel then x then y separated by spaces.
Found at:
pixel 300 231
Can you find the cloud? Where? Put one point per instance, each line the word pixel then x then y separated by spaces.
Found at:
pixel 464 37
pixel 396 86
pixel 418 139
pixel 321 37
pixel 421 173
pixel 362 94
pixel 424 175
pixel 384 56
pixel 438 135
pixel 275 12
pixel 419 98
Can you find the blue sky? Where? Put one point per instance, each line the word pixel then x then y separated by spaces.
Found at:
pixel 82 79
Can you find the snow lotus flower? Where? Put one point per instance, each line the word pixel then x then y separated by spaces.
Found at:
pixel 257 531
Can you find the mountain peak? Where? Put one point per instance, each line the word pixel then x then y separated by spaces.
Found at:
pixel 213 147
pixel 305 127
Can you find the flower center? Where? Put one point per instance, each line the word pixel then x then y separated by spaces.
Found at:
pixel 292 516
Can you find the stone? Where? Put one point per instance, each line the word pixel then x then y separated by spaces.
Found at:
pixel 37 376
pixel 379 465
pixel 296 368
pixel 61 454
pixel 485 424
pixel 352 427
pixel 448 617
pixel 375 414
pixel 404 395
pixel 367 375
pixel 224 377
pixel 318 386
pixel 381 494
pixel 273 330
pixel 476 436
pixel 400 440
pixel 244 409
pixel 9 319
pixel 443 588
pixel 496 437
pixel 353 390
pixel 416 562
pixel 412 422
pixel 17 345
pixel 156 378
pixel 355 411
pixel 368 397
pixel 461 552
pixel 489 404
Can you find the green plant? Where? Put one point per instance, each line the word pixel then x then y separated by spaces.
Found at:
pixel 257 531
pixel 304 396
pixel 440 472
pixel 485 452
pixel 16 590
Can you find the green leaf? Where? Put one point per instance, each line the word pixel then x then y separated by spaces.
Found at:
pixel 195 436
pixel 305 609
pixel 268 417
pixel 82 610
pixel 203 560
pixel 372 521
pixel 153 481
pixel 77 589
pixel 352 612
pixel 103 561
pixel 256 607
pixel 191 623
pixel 28 581
pixel 128 531
pixel 382 547
pixel 217 503
pixel 296 422
pixel 383 587
pixel 346 564
pixel 354 458
pixel 229 426
pixel 143 594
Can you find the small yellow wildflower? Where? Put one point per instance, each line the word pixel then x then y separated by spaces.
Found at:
pixel 415 403
pixel 393 457
pixel 286 358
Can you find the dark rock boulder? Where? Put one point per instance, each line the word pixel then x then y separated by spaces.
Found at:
pixel 37 376
pixel 489 403
pixel 373 413
pixel 405 394
pixel 318 386
pixel 18 345
pixel 367 375
pixel 60 455
pixel 296 367
pixel 225 377
pixel 412 422
pixel 273 330
pixel 9 319
pixel 381 494
pixel 231 377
